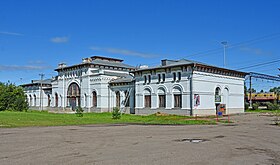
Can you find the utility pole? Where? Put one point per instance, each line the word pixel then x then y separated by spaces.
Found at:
pixel 224 43
pixel 250 91
pixel 41 101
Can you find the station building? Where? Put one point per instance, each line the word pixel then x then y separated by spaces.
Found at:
pixel 182 87
pixel 188 88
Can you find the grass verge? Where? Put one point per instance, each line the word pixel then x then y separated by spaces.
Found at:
pixel 36 118
pixel 275 112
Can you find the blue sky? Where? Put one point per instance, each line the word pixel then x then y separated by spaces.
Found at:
pixel 36 35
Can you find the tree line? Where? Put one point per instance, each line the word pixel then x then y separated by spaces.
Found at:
pixel 12 98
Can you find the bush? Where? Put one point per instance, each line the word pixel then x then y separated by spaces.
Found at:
pixel 79 111
pixel 271 106
pixel 116 114
pixel 255 106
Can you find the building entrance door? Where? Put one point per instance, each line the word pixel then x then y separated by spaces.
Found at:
pixel 73 95
pixel 73 103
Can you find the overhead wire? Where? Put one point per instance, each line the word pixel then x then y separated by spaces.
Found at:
pixel 260 64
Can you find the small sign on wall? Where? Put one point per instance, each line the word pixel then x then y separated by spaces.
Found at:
pixel 196 100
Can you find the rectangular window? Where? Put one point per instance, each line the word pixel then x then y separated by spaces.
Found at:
pixel 145 79
pixel 179 76
pixel 161 99
pixel 149 78
pixel 163 77
pixel 147 101
pixel 159 78
pixel 174 76
pixel 177 101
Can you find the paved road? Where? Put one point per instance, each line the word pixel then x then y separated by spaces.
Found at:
pixel 251 140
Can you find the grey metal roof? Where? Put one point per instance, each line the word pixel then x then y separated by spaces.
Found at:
pixel 172 63
pixel 100 61
pixel 115 74
pixel 128 78
pixel 111 63
pixel 46 81
pixel 181 62
pixel 38 82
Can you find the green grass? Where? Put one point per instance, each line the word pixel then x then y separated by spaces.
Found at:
pixel 36 118
pixel 263 111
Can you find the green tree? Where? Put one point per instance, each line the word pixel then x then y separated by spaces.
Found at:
pixel 12 98
pixel 253 90
pixel 116 114
pixel 275 90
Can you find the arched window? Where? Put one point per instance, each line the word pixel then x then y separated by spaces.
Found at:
pixel 118 99
pixel 147 98
pixel 73 95
pixel 34 100
pixel 163 77
pixel 73 90
pixel 174 76
pixel 145 79
pixel 179 76
pixel 177 95
pixel 94 99
pixel 218 95
pixel 159 78
pixel 49 100
pixel 30 100
pixel 56 100
pixel 149 78
pixel 161 98
pixel 218 91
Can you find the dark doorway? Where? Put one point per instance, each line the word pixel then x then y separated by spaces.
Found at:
pixel 74 95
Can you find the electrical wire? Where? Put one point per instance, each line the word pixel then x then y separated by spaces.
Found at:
pixel 260 64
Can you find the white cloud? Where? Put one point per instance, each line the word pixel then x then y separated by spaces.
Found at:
pixel 124 52
pixel 10 33
pixel 59 39
pixel 255 51
pixel 36 62
pixel 22 68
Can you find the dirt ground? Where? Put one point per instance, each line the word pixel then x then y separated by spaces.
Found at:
pixel 252 139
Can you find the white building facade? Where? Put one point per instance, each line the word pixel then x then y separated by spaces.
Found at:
pixel 176 87
pixel 86 85
pixel 188 88
pixel 38 93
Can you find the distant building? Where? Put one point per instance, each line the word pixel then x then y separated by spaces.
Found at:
pixel 176 86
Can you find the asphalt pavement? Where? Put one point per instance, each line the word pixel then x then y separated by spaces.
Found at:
pixel 252 139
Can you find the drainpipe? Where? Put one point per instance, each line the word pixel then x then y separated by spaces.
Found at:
pixel 109 98
pixel 191 91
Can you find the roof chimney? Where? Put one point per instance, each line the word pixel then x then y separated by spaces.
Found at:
pixel 62 65
pixel 87 60
pixel 163 62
